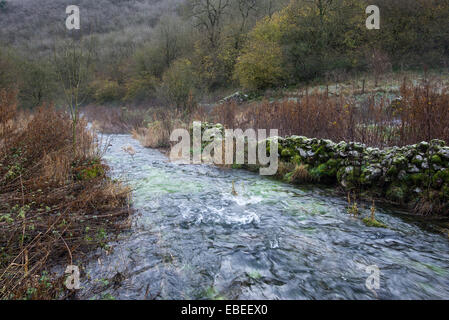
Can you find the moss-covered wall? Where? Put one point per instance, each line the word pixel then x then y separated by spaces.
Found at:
pixel 414 175
pixel 404 175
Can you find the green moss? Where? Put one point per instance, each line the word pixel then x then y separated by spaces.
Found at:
pixel 332 163
pixel 280 147
pixel 364 180
pixel 423 146
pixel 255 275
pixel 285 153
pixel 417 179
pixel 417 161
pixel 352 178
pixel 326 172
pixel 318 172
pixel 373 223
pixel 91 172
pixel 439 178
pixel 211 293
pixel 445 192
pixel 445 175
pixel 321 150
pixel 392 171
pixel 369 175
pixel 340 173
pixel 436 160
pixel 397 193
pixel 297 159
pixel 399 161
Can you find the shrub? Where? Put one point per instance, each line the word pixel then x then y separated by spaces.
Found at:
pixel 260 64
pixel 301 174
pixel 154 136
pixel 140 88
pixel 178 87
pixel 106 91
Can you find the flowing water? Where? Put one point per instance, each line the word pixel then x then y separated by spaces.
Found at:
pixel 192 239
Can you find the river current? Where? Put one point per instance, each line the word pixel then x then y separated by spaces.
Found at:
pixel 192 239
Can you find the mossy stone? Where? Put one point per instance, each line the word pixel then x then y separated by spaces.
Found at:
pixel 423 146
pixel 417 160
pixel 436 159
pixel 285 153
pixel 392 171
pixel 439 178
pixel 321 151
pixel 325 173
pixel 373 223
pixel 399 161
pixel 340 173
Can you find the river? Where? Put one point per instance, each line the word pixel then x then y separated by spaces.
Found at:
pixel 192 239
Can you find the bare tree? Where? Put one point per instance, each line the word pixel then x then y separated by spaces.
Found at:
pixel 323 6
pixel 73 64
pixel 37 83
pixel 270 7
pixel 169 35
pixel 208 16
pixel 378 63
pixel 245 8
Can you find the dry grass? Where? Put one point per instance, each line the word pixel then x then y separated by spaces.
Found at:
pixel 55 202
pixel 156 135
pixel 114 119
pixel 301 174
pixel 284 168
pixel 160 122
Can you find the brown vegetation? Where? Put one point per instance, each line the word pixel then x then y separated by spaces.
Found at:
pixel 161 122
pixel 421 114
pixel 55 202
pixel 113 119
pixel 301 174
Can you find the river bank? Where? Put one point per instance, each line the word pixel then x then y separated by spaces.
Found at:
pixel 57 200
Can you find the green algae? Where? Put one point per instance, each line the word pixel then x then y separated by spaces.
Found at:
pixel 373 223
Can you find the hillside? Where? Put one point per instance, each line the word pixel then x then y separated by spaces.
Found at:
pixel 177 53
pixel 37 24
